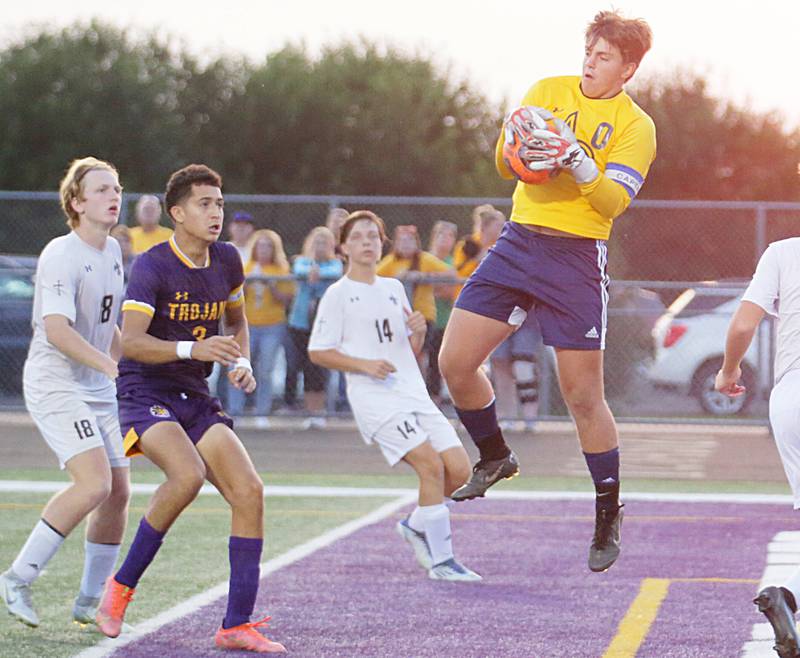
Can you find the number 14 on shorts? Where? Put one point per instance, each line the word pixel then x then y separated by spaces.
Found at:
pixel 406 429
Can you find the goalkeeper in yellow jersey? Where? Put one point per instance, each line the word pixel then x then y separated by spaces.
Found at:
pixel 597 146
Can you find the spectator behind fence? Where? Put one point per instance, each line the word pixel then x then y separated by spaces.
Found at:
pixel 336 217
pixel 122 234
pixel 265 307
pixel 408 263
pixel 443 239
pixel 240 231
pixel 487 223
pixel 148 231
pixel 316 269
pixel 516 375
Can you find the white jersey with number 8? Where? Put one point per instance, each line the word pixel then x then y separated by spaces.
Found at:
pixel 85 285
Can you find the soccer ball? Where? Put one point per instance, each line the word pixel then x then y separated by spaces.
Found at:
pixel 518 138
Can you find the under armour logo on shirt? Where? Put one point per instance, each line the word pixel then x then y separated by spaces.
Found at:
pixel 354 299
pixel 88 268
pixel 117 268
pixel 393 299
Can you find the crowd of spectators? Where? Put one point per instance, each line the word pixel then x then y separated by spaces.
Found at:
pixel 282 293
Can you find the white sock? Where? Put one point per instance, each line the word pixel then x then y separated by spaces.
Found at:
pixel 98 564
pixel 793 585
pixel 42 544
pixel 436 521
pixel 415 520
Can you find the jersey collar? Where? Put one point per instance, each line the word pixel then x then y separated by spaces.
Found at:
pixel 184 258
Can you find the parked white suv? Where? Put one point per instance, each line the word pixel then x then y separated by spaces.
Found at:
pixel 689 346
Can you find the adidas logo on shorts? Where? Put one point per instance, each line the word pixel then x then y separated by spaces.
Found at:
pixel 592 333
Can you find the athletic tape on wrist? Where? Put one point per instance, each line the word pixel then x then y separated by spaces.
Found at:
pixel 184 349
pixel 242 362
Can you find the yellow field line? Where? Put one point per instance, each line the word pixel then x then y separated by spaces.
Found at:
pixel 636 624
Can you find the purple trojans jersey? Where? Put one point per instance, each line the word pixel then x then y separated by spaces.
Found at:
pixel 185 302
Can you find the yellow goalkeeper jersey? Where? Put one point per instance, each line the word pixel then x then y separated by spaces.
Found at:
pixel 615 132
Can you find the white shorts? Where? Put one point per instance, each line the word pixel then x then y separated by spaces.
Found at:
pixel 71 426
pixel 405 431
pixel 784 414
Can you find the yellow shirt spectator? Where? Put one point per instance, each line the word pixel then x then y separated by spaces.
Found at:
pixel 261 307
pixel 141 241
pixel 423 299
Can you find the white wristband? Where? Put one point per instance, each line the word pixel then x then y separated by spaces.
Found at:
pixel 242 362
pixel 184 349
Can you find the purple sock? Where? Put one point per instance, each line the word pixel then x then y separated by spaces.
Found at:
pixel 143 549
pixel 245 556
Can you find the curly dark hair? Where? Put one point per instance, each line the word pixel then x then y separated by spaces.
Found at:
pixel 179 185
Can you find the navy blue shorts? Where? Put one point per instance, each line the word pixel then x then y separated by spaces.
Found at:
pixel 563 279
pixel 194 412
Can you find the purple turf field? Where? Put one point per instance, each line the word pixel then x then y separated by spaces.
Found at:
pixel 365 596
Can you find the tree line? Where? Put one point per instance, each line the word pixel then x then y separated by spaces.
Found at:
pixel 357 119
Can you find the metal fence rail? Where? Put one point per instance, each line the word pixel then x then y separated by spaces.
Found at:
pixel 658 250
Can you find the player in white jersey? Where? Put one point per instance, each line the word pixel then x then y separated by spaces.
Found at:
pixel 774 290
pixel 365 328
pixel 68 382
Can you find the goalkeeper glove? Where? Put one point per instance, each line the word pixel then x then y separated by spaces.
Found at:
pixel 563 151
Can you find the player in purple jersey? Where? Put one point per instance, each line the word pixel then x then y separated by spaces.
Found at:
pixel 177 294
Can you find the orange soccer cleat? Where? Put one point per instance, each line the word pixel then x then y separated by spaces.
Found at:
pixel 246 638
pixel 111 610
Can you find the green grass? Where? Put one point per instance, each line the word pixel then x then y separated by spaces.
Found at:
pixel 409 480
pixel 194 557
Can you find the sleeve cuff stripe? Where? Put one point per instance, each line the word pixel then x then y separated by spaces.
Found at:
pixel 131 305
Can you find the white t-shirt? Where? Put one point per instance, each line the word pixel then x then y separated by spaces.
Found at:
pixel 367 321
pixel 776 288
pixel 85 285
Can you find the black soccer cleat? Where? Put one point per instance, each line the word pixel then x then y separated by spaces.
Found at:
pixel 604 550
pixel 772 603
pixel 485 474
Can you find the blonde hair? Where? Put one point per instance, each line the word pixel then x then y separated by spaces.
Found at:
pixel 71 186
pixel 278 254
pixel 479 214
pixel 308 250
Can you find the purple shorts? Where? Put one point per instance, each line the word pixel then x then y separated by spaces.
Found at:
pixel 194 412
pixel 563 279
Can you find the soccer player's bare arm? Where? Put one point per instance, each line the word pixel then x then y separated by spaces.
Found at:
pixel 335 360
pixel 140 346
pixel 418 327
pixel 69 342
pixel 740 334
pixel 236 323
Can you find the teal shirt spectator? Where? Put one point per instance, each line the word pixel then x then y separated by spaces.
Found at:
pixel 444 307
pixel 309 294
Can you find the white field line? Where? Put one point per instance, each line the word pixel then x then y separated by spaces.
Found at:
pixel 35 486
pixel 780 566
pixel 108 646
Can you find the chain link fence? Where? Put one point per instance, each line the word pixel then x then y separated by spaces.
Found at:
pixel 678 268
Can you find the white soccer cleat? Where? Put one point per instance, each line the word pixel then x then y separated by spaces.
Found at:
pixel 84 610
pixel 418 543
pixel 453 571
pixel 17 597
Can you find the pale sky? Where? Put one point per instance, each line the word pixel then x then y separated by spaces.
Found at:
pixel 742 47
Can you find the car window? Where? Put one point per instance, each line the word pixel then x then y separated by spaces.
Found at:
pixel 16 285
